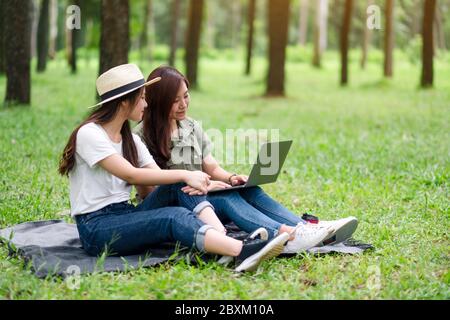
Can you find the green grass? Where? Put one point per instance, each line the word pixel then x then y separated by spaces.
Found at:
pixel 377 149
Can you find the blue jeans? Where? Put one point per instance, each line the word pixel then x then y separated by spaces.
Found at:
pixel 124 229
pixel 251 208
pixel 172 195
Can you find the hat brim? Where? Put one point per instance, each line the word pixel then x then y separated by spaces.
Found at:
pixel 126 92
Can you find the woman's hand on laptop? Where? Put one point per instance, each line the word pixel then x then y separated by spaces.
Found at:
pixel 238 179
pixel 214 185
pixel 218 185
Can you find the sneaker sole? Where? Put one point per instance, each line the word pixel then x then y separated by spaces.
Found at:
pixel 272 249
pixel 342 234
pixel 225 260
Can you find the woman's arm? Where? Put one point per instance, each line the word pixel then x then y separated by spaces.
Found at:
pixel 144 191
pixel 121 168
pixel 216 172
pixel 212 167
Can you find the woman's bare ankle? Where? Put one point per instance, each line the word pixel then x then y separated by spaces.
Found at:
pixel 288 229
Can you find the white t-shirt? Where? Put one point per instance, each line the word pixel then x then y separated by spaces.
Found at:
pixel 92 187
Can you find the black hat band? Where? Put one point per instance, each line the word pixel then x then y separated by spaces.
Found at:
pixel 122 89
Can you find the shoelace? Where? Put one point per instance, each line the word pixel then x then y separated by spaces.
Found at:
pixel 314 226
pixel 307 230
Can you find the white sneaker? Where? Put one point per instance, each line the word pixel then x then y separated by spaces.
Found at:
pixel 343 229
pixel 306 237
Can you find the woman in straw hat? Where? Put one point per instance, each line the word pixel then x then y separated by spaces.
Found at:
pixel 169 134
pixel 103 159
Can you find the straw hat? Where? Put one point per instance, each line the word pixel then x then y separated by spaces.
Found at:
pixel 119 81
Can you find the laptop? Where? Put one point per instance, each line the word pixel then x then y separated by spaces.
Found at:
pixel 268 165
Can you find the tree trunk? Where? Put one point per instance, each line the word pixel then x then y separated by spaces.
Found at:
pixel 82 32
pixel 18 49
pixel 42 36
pixel 34 26
pixel 53 29
pixel 143 39
pixel 61 35
pixel 316 53
pixel 439 29
pixel 235 23
pixel 366 38
pixel 146 43
pixel 114 37
pixel 389 39
pixel 320 31
pixel 427 40
pixel 174 31
pixel 193 40
pixel 251 29
pixel 73 41
pixel 74 37
pixel 345 32
pixel 210 27
pixel 323 41
pixel 2 37
pixel 303 22
pixel 278 11
pixel 68 41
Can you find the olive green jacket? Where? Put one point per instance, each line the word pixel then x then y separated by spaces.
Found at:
pixel 188 149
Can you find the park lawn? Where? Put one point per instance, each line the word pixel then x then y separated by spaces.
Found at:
pixel 378 150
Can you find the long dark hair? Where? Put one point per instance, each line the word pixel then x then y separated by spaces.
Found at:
pixel 156 124
pixel 103 114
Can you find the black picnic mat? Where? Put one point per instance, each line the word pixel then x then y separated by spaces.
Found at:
pixel 53 247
